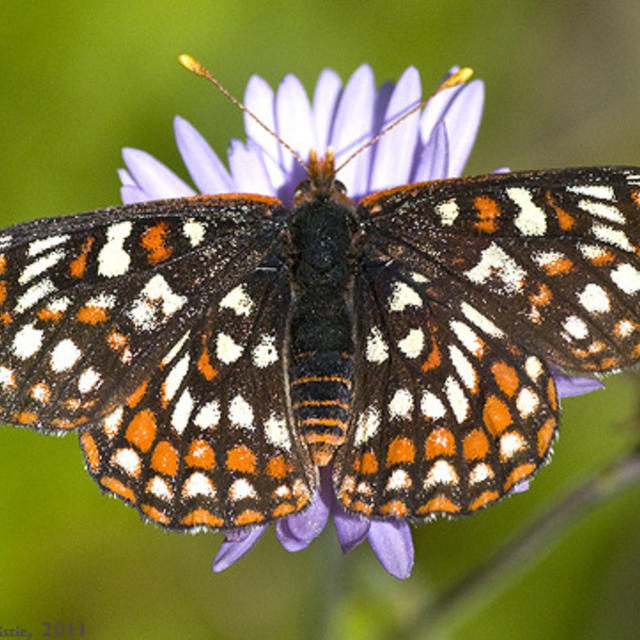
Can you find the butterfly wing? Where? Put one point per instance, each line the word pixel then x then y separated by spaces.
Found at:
pixel 468 288
pixel 157 331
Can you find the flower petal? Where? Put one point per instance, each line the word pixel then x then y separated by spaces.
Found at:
pixel 125 178
pixel 463 119
pixel 392 543
pixel 259 99
pixel 394 152
pixel 294 120
pixel 325 101
pixel 350 528
pixel 131 195
pixel 202 162
pixel 153 177
pixel 249 170
pixel 352 128
pixel 570 386
pixel 231 551
pixel 433 162
pixel 520 487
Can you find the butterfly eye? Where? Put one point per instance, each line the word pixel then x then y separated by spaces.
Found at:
pixel 303 187
pixel 340 186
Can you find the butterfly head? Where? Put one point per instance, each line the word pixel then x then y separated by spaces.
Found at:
pixel 321 181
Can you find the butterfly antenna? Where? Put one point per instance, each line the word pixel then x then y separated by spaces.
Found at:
pixel 200 70
pixel 459 77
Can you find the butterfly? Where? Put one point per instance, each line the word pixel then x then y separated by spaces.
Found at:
pixel 213 352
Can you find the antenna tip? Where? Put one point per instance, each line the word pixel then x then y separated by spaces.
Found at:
pixel 192 65
pixel 459 77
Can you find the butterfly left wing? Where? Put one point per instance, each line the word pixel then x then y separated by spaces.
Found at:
pixel 471 285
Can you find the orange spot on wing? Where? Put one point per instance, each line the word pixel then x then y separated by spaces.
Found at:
pixel 3 263
pixel 565 221
pixel 155 514
pixel 484 499
pixel 201 517
pixel 395 508
pixel 26 417
pixel 5 318
pixel 78 265
pixel 440 442
pixel 545 435
pixel 519 473
pixel 283 509
pixel 367 463
pixel 3 291
pixel 242 459
pixel 400 450
pixel 248 516
pixel 137 395
pixel 91 451
pixel 609 363
pixel 557 267
pixel 200 455
pixel 142 430
pixel 277 467
pixel 488 212
pixel 433 360
pixel 551 394
pixel 165 459
pixel 496 415
pixel 438 503
pixel 362 507
pixel 506 377
pixel 204 366
pixel 90 314
pixel 117 487
pixel 475 445
pixel 542 297
pixel 153 241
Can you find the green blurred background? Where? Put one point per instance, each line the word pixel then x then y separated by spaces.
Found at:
pixel 82 79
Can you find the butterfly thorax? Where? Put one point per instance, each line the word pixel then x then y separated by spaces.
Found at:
pixel 321 372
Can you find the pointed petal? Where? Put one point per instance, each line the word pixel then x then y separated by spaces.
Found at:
pixel 394 153
pixel 437 106
pixel 350 528
pixel 392 543
pixel 294 120
pixel 153 177
pixel 352 128
pixel 325 102
pixel 248 169
pixel 131 194
pixel 231 551
pixel 520 487
pixel 259 99
pixel 433 163
pixel 570 386
pixel 206 169
pixel 125 178
pixel 463 119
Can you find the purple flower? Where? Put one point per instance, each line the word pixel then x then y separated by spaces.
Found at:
pixel 433 143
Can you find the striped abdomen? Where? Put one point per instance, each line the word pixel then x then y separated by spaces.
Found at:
pixel 321 386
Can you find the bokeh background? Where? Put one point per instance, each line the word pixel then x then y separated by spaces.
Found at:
pixel 79 80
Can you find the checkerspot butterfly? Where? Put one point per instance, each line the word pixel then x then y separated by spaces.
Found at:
pixel 213 351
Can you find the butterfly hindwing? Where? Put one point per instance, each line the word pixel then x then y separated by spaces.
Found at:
pixel 447 418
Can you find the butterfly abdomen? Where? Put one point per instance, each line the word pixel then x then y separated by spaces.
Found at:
pixel 321 373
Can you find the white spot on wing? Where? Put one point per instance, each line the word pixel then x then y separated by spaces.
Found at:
pixel 173 380
pixel 128 460
pixel 602 210
pixel 89 379
pixel 469 339
pixel 238 301
pixel 456 398
pixel 182 412
pixel 533 367
pixel 531 221
pixel 441 472
pixel 510 444
pixel 601 191
pixel 401 404
pixel 241 413
pixel 402 296
pixel 156 298
pixel 368 425
pixel 38 246
pixel 608 234
pixel 208 416
pixel 399 479
pixel 27 342
pixel 175 349
pixel 64 355
pixel 34 293
pixel 265 353
pixel 112 422
pixel 197 484
pixel 412 344
pixel 41 265
pixel 594 299
pixel 159 487
pixel 275 431
pixel 431 406
pixel 194 231
pixel 575 327
pixel 482 322
pixel 448 212
pixel 626 278
pixel 241 489
pixel 113 260
pixel 480 472
pixel 465 369
pixel 495 262
pixel 7 379
pixel 377 349
pixel 227 350
pixel 527 402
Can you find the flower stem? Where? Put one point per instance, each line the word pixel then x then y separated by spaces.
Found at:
pixel 502 567
pixel 330 588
